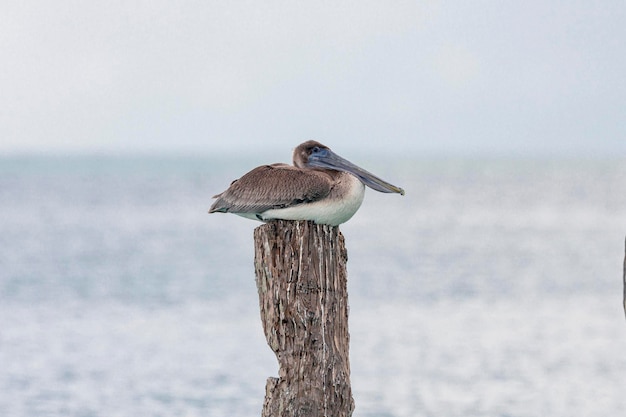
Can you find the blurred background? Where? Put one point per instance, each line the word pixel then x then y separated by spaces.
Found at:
pixel 494 287
pixel 419 77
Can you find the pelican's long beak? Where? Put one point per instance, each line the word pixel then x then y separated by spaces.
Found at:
pixel 329 159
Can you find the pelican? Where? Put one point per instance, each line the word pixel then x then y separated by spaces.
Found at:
pixel 320 186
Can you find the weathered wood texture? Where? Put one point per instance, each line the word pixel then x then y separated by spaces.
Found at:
pixel 302 283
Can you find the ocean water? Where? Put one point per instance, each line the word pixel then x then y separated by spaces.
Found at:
pixel 493 288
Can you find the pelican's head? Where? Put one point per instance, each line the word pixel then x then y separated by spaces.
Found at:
pixel 312 154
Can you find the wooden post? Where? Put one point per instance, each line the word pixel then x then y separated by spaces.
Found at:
pixel 301 278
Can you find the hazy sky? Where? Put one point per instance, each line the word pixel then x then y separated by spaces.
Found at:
pixel 539 76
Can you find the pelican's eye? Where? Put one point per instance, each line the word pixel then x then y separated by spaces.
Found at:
pixel 317 154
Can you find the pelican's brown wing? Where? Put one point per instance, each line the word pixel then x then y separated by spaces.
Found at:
pixel 271 187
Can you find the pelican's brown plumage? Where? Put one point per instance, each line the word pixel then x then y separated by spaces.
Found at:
pixel 320 186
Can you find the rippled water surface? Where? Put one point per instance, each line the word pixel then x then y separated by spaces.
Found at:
pixel 493 288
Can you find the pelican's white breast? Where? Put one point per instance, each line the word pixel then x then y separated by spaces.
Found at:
pixel 338 207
